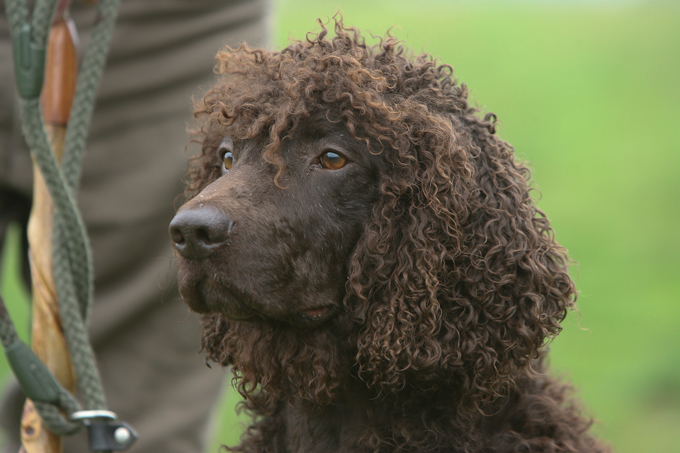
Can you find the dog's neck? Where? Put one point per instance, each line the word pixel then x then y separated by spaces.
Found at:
pixel 334 427
pixel 349 423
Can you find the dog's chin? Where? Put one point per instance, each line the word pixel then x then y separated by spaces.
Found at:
pixel 204 297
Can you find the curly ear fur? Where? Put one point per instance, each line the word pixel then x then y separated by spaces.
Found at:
pixel 458 276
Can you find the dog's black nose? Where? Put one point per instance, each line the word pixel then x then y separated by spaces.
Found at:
pixel 198 233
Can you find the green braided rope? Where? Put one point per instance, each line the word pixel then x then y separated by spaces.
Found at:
pixel 17 14
pixel 55 421
pixel 75 331
pixel 71 253
pixel 42 18
pixel 50 414
pixel 76 259
pixel 88 80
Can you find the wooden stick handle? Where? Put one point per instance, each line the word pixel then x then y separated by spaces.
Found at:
pixel 48 337
pixel 61 71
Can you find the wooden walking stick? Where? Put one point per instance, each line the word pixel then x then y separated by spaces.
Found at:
pixel 47 336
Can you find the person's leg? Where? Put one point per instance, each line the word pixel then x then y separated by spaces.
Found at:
pixel 145 339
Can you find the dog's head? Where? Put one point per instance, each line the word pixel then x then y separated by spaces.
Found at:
pixel 349 206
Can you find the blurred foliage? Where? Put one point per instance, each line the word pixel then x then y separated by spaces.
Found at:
pixel 588 93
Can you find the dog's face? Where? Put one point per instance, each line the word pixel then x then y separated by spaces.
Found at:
pixel 273 241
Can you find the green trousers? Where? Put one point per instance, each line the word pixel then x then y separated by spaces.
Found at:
pixel 146 340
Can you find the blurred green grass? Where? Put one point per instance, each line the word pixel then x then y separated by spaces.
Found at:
pixel 14 292
pixel 589 93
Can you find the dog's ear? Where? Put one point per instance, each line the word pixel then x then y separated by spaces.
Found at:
pixel 458 277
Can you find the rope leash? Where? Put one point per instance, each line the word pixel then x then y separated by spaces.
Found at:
pixel 72 258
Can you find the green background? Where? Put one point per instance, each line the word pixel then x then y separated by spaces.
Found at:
pixel 589 93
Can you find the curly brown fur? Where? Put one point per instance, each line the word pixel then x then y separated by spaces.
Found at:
pixel 399 306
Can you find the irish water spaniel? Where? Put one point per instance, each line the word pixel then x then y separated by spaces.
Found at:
pixel 369 260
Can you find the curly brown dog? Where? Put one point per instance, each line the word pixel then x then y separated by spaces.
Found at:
pixel 368 258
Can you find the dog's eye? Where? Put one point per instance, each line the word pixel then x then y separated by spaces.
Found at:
pixel 228 160
pixel 332 160
pixel 225 151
